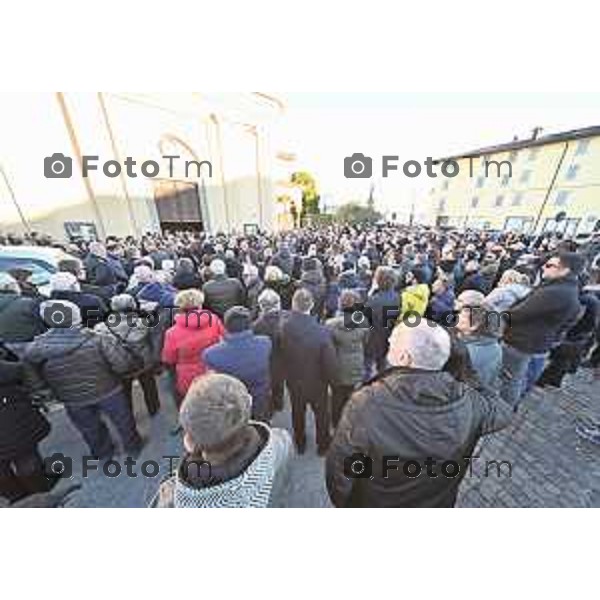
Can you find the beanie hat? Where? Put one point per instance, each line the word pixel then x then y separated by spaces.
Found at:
pixel 215 408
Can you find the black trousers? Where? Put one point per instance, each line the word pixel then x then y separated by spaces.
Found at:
pixel 148 382
pixel 23 475
pixel 564 359
pixel 277 387
pixel 340 394
pixel 319 405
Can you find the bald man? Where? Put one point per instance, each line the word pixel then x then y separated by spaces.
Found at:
pixel 405 437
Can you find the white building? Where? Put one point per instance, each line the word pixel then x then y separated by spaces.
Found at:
pixel 232 131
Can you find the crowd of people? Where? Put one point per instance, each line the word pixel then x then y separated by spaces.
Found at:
pixel 411 342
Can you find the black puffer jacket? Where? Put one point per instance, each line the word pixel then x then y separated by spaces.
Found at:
pixel 541 320
pixel 22 426
pixel 413 415
pixel 81 367
pixel 20 320
pixel 221 293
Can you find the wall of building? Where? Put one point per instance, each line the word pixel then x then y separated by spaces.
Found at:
pixel 232 131
pixel 523 200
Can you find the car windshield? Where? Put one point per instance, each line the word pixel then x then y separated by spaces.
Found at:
pixel 40 271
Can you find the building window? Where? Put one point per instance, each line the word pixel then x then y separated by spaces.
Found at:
pixel 499 201
pixel 517 200
pixel 518 224
pixel 474 202
pixel 480 182
pixel 505 180
pixel 525 176
pixel 533 154
pixel 582 147
pixel 562 198
pixel 572 172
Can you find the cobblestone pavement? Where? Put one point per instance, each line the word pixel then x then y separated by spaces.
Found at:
pixel 551 466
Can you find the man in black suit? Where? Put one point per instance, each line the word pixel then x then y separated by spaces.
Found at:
pixel 310 364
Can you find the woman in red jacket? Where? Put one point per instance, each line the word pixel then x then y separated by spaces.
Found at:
pixel 195 329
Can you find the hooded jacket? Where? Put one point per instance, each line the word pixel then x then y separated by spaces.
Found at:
pixel 411 415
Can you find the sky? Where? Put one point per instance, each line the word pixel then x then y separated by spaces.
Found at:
pixel 324 128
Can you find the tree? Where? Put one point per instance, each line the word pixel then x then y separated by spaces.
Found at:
pixel 355 212
pixel 310 195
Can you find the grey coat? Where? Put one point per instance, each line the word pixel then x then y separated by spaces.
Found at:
pixel 349 345
pixel 79 366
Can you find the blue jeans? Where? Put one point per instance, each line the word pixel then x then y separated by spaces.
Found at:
pixel 520 372
pixel 89 422
pixel 535 368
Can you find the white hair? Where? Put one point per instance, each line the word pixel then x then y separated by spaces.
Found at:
pixel 273 273
pixel 143 274
pixel 428 345
pixel 123 303
pixel 269 300
pixel 218 267
pixel 64 282
pixel 60 313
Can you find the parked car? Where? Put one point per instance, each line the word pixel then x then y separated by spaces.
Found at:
pixel 40 260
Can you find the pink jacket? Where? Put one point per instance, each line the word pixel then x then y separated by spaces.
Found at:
pixel 185 342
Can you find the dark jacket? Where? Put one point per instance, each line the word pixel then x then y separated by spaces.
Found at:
pixel 79 366
pixel 313 281
pixel 222 293
pixel 284 260
pixel 20 319
pixel 247 357
pixel 93 308
pixel 253 291
pixel 22 426
pixel 270 324
pixel 285 288
pixel 157 293
pixel 308 355
pixel 540 321
pixel 441 305
pixel 412 415
pixel 101 271
pixel 186 280
pixel 382 309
